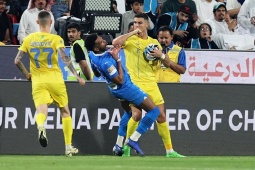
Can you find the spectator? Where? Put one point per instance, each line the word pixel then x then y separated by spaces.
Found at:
pixel 246 16
pixel 205 40
pixel 76 9
pixel 182 30
pixel 170 71
pixel 128 5
pixel 174 6
pixel 204 10
pixel 115 7
pixel 5 25
pixel 137 7
pixel 224 34
pixel 61 8
pixel 78 54
pixel 28 22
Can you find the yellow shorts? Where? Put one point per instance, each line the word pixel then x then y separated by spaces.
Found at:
pixel 153 91
pixel 49 92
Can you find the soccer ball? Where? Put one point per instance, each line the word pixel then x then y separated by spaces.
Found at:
pixel 147 53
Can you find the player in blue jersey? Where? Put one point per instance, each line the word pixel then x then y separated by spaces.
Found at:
pixel 108 64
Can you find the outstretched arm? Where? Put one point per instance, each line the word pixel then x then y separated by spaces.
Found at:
pixel 68 63
pixel 119 41
pixel 21 66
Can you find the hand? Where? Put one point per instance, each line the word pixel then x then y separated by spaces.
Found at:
pixel 182 34
pixel 209 38
pixel 81 81
pixel 136 31
pixel 253 21
pixel 114 51
pixel 156 53
pixel 29 77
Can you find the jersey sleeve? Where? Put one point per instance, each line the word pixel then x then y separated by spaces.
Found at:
pixel 60 43
pixel 24 45
pixel 109 69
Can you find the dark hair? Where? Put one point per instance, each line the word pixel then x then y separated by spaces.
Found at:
pixel 74 25
pixel 43 15
pixel 114 2
pixel 90 41
pixel 139 1
pixel 165 28
pixel 130 24
pixel 200 27
pixel 142 15
pixel 47 1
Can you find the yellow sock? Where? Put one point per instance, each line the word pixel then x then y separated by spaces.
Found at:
pixel 67 130
pixel 132 126
pixel 40 119
pixel 164 132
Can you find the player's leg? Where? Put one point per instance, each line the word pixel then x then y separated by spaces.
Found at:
pixel 144 125
pixel 41 98
pixel 42 112
pixel 118 147
pixel 164 132
pixel 67 130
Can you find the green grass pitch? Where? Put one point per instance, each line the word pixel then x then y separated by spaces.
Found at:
pixel 25 162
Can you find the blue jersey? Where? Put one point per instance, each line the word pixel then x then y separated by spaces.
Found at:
pixel 107 66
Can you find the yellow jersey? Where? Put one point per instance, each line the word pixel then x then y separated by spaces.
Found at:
pixel 42 49
pixel 140 70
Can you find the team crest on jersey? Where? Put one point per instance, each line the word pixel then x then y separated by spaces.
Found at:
pixel 112 70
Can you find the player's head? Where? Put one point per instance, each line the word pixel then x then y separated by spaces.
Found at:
pixel 40 4
pixel 95 43
pixel 73 32
pixel 137 6
pixel 141 21
pixel 165 35
pixel 2 5
pixel 44 19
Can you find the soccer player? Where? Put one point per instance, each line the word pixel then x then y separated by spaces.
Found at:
pixel 78 53
pixel 47 79
pixel 108 64
pixel 142 73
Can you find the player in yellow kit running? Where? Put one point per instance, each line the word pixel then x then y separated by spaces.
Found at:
pixel 48 85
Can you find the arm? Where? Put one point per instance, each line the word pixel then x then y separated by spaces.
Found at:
pixel 168 63
pixel 7 39
pixel 68 63
pixel 81 59
pixel 21 66
pixel 119 41
pixel 118 79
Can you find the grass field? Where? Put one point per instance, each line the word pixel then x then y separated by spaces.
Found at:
pixel 23 162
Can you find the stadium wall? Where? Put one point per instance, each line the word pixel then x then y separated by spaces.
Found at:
pixel 205 119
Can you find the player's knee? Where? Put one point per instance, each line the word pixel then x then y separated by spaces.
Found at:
pixel 161 118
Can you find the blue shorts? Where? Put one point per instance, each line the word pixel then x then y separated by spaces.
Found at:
pixel 130 93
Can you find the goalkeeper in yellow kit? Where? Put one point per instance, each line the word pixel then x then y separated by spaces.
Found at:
pixel 48 85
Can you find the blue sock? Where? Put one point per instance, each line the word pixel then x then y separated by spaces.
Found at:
pixel 123 123
pixel 148 120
